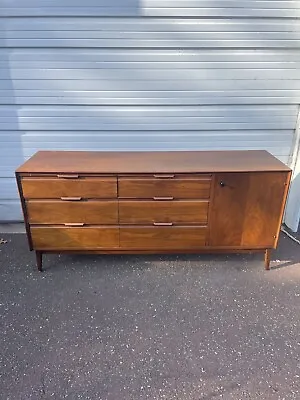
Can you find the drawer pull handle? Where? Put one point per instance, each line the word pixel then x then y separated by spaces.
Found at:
pixel 74 224
pixel 164 176
pixel 162 223
pixel 163 198
pixel 71 198
pixel 68 176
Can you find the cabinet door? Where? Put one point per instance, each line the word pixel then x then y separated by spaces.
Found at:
pixel 247 209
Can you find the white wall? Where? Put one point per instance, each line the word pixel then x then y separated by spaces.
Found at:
pixel 292 214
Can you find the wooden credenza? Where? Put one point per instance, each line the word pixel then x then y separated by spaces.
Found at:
pixel 153 202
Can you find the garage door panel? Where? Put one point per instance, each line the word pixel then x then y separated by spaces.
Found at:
pixel 145 75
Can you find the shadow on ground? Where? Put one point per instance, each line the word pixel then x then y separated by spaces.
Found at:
pixel 149 327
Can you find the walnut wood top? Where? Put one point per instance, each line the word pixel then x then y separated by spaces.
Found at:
pixel 151 162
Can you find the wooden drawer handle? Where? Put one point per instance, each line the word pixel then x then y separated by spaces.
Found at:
pixel 163 198
pixel 68 176
pixel 164 176
pixel 162 223
pixel 74 224
pixel 71 198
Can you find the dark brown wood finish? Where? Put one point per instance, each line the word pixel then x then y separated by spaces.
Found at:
pixel 39 260
pixel 284 200
pixel 148 202
pixel 178 212
pixel 121 250
pixel 267 259
pixel 24 210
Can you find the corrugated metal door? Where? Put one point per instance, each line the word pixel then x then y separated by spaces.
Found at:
pixel 145 75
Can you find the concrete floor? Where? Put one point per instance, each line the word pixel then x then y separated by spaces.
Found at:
pixel 149 327
pixel 12 228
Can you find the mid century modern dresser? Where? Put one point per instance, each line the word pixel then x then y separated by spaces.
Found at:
pixel 153 202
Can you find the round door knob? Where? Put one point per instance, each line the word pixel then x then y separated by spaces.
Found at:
pixel 222 184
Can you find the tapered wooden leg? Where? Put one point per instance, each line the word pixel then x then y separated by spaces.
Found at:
pixel 267 259
pixel 39 260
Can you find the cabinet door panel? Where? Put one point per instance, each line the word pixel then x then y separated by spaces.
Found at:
pixel 228 209
pixel 247 208
pixel 263 213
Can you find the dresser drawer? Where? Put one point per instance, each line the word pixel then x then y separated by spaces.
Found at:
pixel 95 212
pixel 54 187
pixel 176 186
pixel 68 238
pixel 163 237
pixel 175 211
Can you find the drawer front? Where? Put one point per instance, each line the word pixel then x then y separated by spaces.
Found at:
pixel 73 238
pixel 53 188
pixel 60 212
pixel 149 212
pixel 177 187
pixel 174 237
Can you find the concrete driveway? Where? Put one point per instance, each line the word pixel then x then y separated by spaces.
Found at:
pixel 149 327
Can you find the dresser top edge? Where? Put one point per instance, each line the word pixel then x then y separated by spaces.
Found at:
pixel 133 162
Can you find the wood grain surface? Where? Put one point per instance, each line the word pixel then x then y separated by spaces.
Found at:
pixel 151 162
pixel 247 208
pixel 67 238
pixel 173 237
pixel 59 212
pixel 177 187
pixel 151 202
pixel 44 187
pixel 177 212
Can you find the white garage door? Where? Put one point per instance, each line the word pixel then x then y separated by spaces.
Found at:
pixel 145 75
